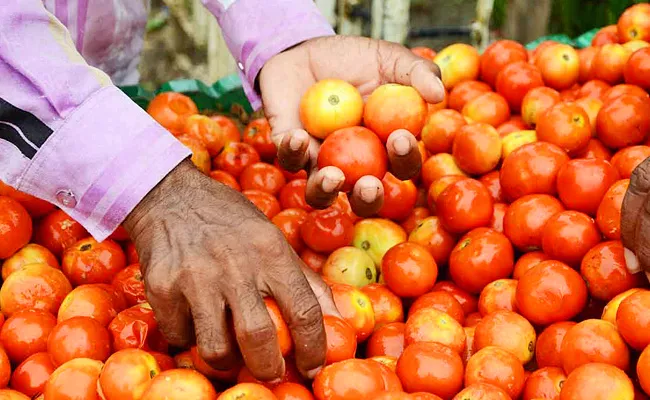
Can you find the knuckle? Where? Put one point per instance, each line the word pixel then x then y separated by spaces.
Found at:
pixel 308 318
pixel 258 337
pixel 215 354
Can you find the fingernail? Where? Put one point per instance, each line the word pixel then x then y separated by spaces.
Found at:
pixel 369 194
pixel 312 374
pixel 631 261
pixel 647 275
pixel 329 184
pixel 402 146
pixel 295 143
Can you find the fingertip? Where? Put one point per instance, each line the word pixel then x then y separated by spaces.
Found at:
pixel 293 150
pixel 426 80
pixel 401 143
pixel 332 179
pixel 367 196
pixel 403 154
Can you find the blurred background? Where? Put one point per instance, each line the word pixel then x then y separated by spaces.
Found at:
pixel 183 39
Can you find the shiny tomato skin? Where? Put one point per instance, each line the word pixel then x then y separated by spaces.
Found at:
pixel 78 337
pixel 624 121
pixel 465 92
pixel 292 195
pixel 532 169
pixel 391 107
pixel 565 125
pixel 582 183
pixel 76 379
pixel 399 198
pixel 265 202
pixel 409 269
pixel 25 333
pixel 388 340
pixel 58 231
pixel 515 80
pixel 226 179
pixel 477 148
pixel 29 254
pixel 262 176
pixel 627 159
pixel 637 68
pixel 480 257
pixel 289 222
pixel 568 236
pixel 524 220
pixel 258 134
pixel 356 151
pixel 88 261
pixel 464 205
pixel 91 301
pixel 595 149
pixel 31 375
pixel 136 328
pixel 549 344
pixel 130 283
pixel 326 230
pixel 126 374
pixel 608 215
pixel 498 55
pixel 622 89
pixel 551 292
pixel 349 379
pixel 492 182
pixel 594 88
pixel 537 102
pixel 180 384
pixel 171 110
pixel 341 339
pixel 431 367
pixel 440 129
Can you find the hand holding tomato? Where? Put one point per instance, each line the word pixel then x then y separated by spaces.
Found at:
pixel 366 64
pixel 207 253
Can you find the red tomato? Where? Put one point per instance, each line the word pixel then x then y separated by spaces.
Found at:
pixel 34 206
pixel 517 79
pixel 136 328
pixel 594 88
pixel 292 195
pixel 537 102
pixel 58 231
pixel 605 271
pixel 341 339
pixel 88 261
pixel 624 121
pixel 326 230
pixel 608 215
pixel 258 135
pixel 76 379
pixel 391 107
pixel 582 183
pixel 409 270
pixel 586 58
pixel 480 257
pixel 465 92
pixel 431 367
pixel 130 283
pixel 399 198
pixel 127 374
pixel 627 159
pixel 235 157
pixel 609 63
pixel 264 201
pixel 568 236
pixel 181 384
pixel 91 301
pixel 489 108
pixel 226 179
pixel 356 151
pixel 289 221
pixel 349 379
pixel 29 254
pixel 464 205
pixel 78 337
pixel 25 333
pixel 565 125
pixel 262 176
pixel 171 110
pixel 497 56
pixel 31 375
pixel 477 148
pixel 525 219
pixel 386 341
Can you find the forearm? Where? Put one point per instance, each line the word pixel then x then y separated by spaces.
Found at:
pixel 68 135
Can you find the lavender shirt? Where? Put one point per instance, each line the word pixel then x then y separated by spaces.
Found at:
pixel 69 136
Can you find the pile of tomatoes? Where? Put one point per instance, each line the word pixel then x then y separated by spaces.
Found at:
pixel 497 273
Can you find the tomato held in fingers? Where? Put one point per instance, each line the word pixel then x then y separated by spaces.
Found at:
pixel 356 151
pixel 409 270
pixel 15 226
pixel 480 257
pixel 497 56
pixel 551 292
pixel 568 236
pixel 88 261
pixel 330 105
pixel 582 184
pixel 258 134
pixel 624 121
pixel 464 205
pixel 525 219
pixel 477 148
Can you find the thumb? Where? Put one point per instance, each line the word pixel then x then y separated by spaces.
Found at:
pixel 400 65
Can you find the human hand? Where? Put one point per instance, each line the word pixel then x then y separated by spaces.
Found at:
pixel 635 220
pixel 364 63
pixel 207 254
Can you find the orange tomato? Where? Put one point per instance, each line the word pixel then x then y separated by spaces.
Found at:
pixel 430 234
pixel 497 56
pixel 89 301
pixel 349 379
pixel 632 320
pixel 434 326
pixel 482 391
pixel 551 292
pixel 498 295
pixel 127 374
pixel 634 23
pixel 36 286
pixel 391 107
pixel 605 271
pixel 565 125
pixel 437 166
pixel 536 102
pixel 606 35
pixel 78 337
pixel 15 226
pixel 582 183
pixel 517 79
pixel 514 124
pixel 627 159
pixel 568 236
pixel 549 344
pixel 464 205
pixel 528 261
pixel 441 301
pixel 465 92
pixel 508 331
pixel 180 384
pixel 477 148
pixel 262 176
pixel 399 197
pixel 608 215
pixel 611 383
pixel 637 68
pixel 341 339
pixel 586 60
pixel 235 157
pixel 289 222
pixel 130 284
pixel 609 63
pixel 88 261
pixel 387 306
pixel 593 341
pixel 594 88
pixel 424 52
pixel 258 134
pixel 526 217
pixel 356 308
pixel 292 391
pixel 489 108
pixel 76 379
pixel 388 340
pixel 440 130
pixel 624 121
pixel 264 201
pixel 409 270
pixel 207 131
pixel 544 383
pixel 29 254
pixel 31 375
pixel 559 65
pixel 330 105
pixel 431 367
pixel 171 110
pixel 498 367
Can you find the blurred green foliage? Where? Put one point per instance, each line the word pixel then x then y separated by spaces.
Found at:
pixel 573 17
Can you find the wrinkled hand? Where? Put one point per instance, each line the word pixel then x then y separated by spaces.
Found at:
pixel 366 64
pixel 206 254
pixel 635 220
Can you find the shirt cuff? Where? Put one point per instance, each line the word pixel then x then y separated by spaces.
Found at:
pixel 102 161
pixel 254 42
